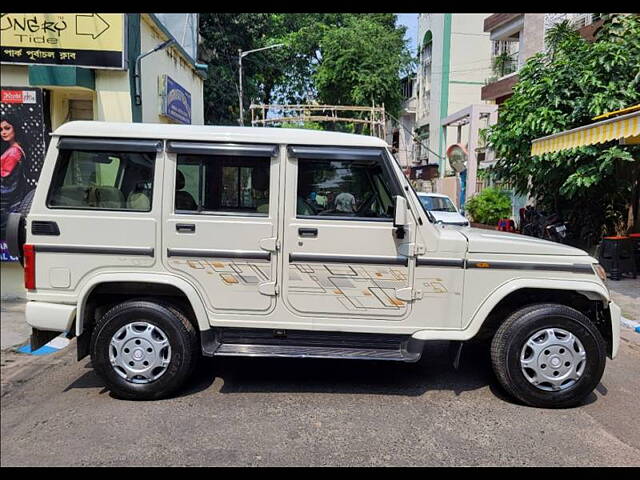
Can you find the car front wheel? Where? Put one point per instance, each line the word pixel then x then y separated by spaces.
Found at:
pixel 548 355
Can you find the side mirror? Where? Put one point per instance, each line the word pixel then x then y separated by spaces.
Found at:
pixel 400 212
pixel 400 216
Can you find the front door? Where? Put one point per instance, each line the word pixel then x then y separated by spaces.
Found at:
pixel 346 264
pixel 220 218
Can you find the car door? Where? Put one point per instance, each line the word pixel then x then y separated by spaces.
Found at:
pixel 345 263
pixel 220 222
pixel 96 189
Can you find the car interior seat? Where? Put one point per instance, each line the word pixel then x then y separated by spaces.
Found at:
pixel 138 198
pixel 260 183
pixel 184 200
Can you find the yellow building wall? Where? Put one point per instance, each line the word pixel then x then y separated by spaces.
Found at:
pixel 113 99
pixel 14 75
pixel 112 102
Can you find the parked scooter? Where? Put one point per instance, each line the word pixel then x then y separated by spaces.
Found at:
pixel 536 223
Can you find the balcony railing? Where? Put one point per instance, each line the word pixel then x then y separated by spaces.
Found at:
pixel 504 64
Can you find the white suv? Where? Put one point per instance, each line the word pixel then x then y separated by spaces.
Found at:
pixel 154 244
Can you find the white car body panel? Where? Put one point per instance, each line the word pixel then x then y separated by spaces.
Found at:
pixel 436 290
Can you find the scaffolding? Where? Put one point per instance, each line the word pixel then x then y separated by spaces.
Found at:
pixel 374 116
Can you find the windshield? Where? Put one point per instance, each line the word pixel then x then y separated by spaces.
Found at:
pixel 437 204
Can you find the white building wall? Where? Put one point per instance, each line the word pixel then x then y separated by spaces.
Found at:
pixel 469 66
pixel 167 61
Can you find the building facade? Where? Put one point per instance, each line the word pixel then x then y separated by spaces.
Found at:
pixel 400 130
pixel 83 67
pixel 454 61
pixel 517 36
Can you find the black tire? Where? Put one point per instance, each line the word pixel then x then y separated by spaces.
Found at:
pixel 25 205
pixel 182 337
pixel 510 339
pixel 17 228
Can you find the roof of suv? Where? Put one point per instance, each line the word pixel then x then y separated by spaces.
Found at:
pixel 215 133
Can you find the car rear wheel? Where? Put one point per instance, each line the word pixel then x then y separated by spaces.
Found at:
pixel 548 355
pixel 144 350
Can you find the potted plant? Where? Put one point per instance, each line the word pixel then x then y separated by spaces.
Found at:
pixel 488 207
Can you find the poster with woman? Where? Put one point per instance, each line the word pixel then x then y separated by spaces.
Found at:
pixel 22 150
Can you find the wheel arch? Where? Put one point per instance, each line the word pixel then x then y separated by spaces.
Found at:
pixel 128 286
pixel 589 298
pixel 487 316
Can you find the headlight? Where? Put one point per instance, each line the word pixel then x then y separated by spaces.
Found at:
pixel 597 268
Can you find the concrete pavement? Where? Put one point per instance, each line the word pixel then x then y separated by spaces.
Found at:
pixel 14 331
pixel 278 412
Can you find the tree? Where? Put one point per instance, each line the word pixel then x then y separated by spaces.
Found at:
pixel 339 58
pixel 361 63
pixel 594 187
pixel 222 34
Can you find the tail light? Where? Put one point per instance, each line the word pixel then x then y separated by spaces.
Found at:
pixel 29 267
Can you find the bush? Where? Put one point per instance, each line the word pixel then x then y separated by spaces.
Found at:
pixel 489 206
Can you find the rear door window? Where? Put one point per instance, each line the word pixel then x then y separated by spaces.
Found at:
pixel 218 184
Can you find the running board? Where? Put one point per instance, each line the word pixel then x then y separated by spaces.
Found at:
pixel 308 344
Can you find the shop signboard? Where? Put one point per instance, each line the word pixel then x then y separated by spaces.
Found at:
pixel 94 40
pixel 176 101
pixel 22 150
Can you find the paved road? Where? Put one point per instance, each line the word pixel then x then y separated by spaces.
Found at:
pixel 240 411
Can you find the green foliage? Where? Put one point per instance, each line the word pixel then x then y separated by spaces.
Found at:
pixel 305 125
pixel 361 62
pixel 222 35
pixel 489 206
pixel 563 89
pixel 336 58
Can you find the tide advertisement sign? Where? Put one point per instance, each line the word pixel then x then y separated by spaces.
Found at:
pixel 94 40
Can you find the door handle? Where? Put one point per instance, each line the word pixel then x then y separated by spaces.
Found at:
pixel 308 232
pixel 185 227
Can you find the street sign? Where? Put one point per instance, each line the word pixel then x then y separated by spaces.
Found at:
pixel 176 101
pixel 93 40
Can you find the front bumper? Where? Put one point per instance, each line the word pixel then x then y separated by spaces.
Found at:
pixel 616 315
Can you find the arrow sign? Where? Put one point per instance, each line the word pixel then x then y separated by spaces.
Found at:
pixel 92 24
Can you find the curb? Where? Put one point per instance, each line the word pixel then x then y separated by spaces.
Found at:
pixel 53 346
pixel 632 324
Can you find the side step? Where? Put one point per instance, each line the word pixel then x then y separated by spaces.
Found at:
pixel 309 344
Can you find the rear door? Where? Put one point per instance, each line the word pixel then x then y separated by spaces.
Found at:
pixel 96 190
pixel 219 229
pixel 345 262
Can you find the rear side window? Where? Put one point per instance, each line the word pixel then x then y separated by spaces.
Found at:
pixel 223 185
pixel 103 180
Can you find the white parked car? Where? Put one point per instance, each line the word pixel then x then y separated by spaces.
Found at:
pixel 155 244
pixel 442 209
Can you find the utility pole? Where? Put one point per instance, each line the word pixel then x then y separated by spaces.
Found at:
pixel 240 119
pixel 241 55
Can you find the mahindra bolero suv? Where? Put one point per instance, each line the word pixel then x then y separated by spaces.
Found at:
pixel 155 244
